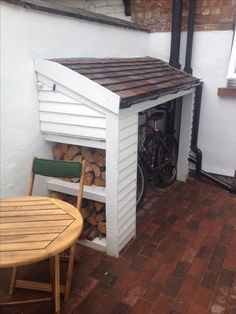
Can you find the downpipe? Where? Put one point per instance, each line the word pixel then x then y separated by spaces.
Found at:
pixel 198 153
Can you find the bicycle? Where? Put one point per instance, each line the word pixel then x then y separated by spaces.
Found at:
pixel 157 153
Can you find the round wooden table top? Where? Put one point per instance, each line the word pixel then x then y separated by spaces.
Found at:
pixel 34 228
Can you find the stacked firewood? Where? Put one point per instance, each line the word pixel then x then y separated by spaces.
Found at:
pixel 93 213
pixel 95 158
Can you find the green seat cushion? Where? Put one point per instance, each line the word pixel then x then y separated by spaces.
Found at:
pixel 57 168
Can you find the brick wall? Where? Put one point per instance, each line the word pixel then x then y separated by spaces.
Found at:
pixel 210 14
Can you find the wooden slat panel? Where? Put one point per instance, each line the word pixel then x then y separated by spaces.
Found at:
pixel 26 213
pixel 23 202
pixel 9 259
pixel 72 130
pixel 75 109
pixel 35 224
pixel 8 247
pixel 85 121
pixel 125 153
pixel 34 230
pixel 30 208
pixel 56 97
pixel 42 218
pixel 27 238
pixel 127 141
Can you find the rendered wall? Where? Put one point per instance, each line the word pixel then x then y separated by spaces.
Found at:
pixel 26 34
pixel 210 60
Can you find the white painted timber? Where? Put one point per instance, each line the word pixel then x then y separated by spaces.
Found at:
pixel 127 163
pixel 79 84
pixel 185 137
pixel 92 192
pixel 96 244
pixel 89 142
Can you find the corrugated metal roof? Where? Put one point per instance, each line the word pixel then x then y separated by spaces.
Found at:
pixel 133 79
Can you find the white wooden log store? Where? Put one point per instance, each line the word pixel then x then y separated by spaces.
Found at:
pixel 95 103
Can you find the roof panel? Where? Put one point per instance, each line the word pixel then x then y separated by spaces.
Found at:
pixel 133 79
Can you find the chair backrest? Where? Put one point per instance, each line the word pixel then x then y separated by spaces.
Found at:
pixel 59 168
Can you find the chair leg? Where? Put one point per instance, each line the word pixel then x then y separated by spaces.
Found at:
pixel 13 281
pixel 69 272
pixel 57 283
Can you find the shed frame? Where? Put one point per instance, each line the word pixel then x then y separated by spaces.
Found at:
pixel 76 110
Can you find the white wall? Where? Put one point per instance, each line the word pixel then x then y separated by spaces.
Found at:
pixel 217 130
pixel 114 8
pixel 26 34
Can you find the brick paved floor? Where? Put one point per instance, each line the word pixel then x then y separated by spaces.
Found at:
pixel 183 260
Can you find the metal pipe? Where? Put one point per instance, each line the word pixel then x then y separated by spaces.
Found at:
pixel 176 33
pixel 191 22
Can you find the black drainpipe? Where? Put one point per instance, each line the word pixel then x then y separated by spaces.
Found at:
pixel 197 107
pixel 177 7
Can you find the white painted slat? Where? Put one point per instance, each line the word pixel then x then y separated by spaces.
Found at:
pixel 55 96
pixel 126 199
pixel 128 223
pixel 125 211
pixel 68 119
pixel 128 161
pixel 125 153
pixel 76 109
pixel 88 142
pixel 72 130
pixel 127 132
pixel 96 244
pixel 127 171
pixel 130 188
pixel 96 193
pixel 128 180
pixel 127 121
pixel 126 142
pixel 124 239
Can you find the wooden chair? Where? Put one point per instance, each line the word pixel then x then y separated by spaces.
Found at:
pixel 63 169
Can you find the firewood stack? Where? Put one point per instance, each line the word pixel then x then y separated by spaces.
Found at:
pixel 96 161
pixel 93 213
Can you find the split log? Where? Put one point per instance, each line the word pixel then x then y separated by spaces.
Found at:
pixel 99 159
pixel 89 178
pixel 99 181
pixel 87 154
pixel 96 170
pixel 73 151
pixel 85 212
pixel 104 175
pixel 78 158
pixel 57 153
pixel 63 147
pixel 75 180
pixel 89 167
pixel 101 152
pixel 57 195
pixel 102 227
pixel 91 205
pixel 92 220
pixel 99 206
pixel 66 157
pixel 93 234
pixel 86 231
pixel 101 216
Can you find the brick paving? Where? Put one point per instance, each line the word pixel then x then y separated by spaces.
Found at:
pixel 183 260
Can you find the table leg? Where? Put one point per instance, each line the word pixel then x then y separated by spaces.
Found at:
pixel 57 283
pixel 13 280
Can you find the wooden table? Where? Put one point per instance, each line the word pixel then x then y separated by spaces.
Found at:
pixel 33 229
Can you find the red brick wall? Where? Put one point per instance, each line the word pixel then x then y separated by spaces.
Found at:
pixel 210 14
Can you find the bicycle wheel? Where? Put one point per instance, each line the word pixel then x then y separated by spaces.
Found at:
pixel 167 154
pixel 141 184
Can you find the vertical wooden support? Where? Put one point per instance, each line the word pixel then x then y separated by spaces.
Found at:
pixel 121 165
pixel 57 283
pixel 185 137
pixel 112 150
pixel 13 281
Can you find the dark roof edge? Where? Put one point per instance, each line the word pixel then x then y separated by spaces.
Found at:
pixel 126 103
pixel 76 13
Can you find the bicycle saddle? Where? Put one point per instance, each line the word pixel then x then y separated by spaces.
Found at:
pixel 157 116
